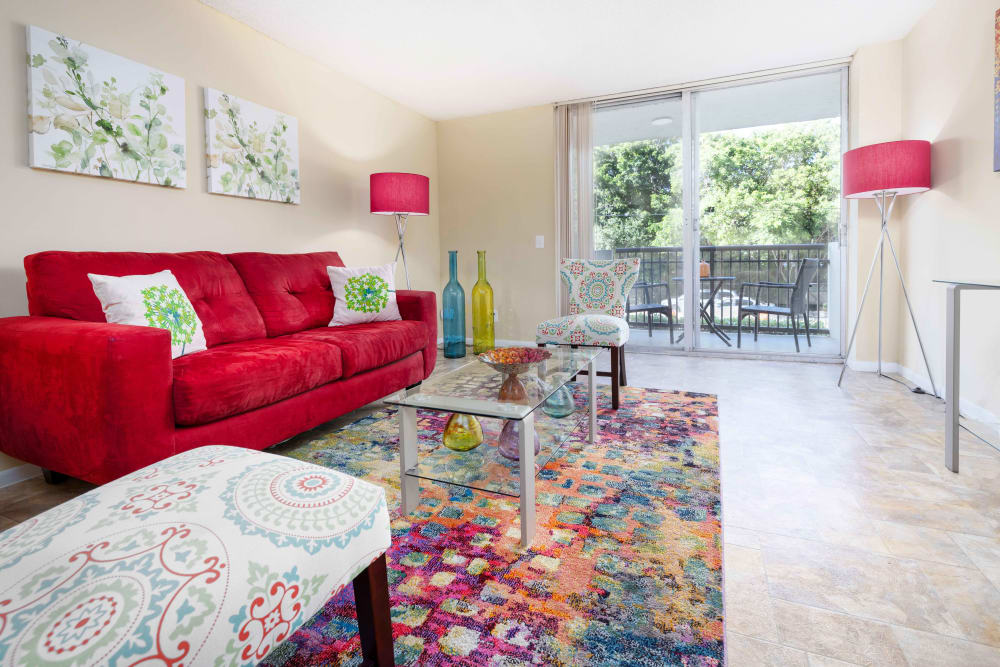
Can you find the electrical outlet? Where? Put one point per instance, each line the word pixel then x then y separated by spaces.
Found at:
pixel 539 241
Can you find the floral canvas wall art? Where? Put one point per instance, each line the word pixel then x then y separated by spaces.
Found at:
pixel 96 113
pixel 252 151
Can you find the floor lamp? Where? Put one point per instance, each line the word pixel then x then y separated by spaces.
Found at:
pixel 882 172
pixel 401 195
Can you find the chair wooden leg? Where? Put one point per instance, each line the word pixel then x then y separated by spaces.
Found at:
pixel 670 324
pixel 756 326
pixel 808 339
pixel 614 378
pixel 795 331
pixel 739 330
pixel 621 365
pixel 649 323
pixel 371 597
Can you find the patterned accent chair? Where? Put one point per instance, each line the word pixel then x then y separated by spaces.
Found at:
pixel 598 292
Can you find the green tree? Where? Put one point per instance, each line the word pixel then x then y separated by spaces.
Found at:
pixel 773 186
pixel 769 186
pixel 636 192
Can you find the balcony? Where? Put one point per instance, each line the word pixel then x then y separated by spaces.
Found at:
pixel 662 267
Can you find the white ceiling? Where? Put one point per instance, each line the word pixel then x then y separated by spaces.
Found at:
pixel 452 58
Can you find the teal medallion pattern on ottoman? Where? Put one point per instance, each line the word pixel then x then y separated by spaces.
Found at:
pixel 299 505
pixel 214 556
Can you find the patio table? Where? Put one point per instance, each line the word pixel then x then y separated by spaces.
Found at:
pixel 707 306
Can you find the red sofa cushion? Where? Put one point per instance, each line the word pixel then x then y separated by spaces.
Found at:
pixel 231 379
pixel 292 292
pixel 372 345
pixel 58 287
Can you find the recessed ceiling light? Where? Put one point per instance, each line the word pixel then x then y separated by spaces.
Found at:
pixel 663 120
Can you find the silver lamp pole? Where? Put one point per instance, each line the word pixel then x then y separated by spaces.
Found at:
pixel 401 230
pixel 884 237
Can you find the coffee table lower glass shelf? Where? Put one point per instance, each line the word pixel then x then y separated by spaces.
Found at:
pixel 474 389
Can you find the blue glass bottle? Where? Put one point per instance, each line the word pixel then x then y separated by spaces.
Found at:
pixel 453 311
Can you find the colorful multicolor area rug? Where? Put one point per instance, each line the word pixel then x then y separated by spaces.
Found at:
pixel 626 567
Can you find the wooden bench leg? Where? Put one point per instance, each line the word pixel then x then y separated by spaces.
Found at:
pixel 53 477
pixel 371 598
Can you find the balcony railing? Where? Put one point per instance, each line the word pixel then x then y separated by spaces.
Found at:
pixel 745 263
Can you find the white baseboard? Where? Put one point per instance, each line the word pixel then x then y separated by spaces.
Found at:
pixel 872 366
pixel 18 474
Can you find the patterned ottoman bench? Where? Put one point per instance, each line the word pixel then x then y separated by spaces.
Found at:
pixel 213 556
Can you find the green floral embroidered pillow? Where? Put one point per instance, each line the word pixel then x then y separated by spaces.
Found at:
pixel 365 294
pixel 153 300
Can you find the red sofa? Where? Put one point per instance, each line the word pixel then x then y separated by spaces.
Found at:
pixel 95 400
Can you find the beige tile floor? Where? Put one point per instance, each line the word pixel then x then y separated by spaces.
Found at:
pixel 847 542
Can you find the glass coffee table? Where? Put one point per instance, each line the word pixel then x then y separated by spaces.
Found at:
pixel 473 389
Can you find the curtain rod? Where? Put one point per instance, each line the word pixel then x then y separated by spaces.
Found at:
pixel 674 88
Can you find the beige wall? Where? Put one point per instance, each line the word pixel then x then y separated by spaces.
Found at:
pixel 953 231
pixel 497 194
pixel 346 131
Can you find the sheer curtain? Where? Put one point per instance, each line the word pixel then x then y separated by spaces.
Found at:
pixel 574 186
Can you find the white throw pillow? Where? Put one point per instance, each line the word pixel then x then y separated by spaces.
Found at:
pixel 153 300
pixel 364 294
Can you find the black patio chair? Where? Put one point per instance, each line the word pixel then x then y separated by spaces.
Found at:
pixel 798 302
pixel 651 307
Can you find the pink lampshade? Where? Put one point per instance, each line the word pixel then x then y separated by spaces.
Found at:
pixel 900 167
pixel 393 193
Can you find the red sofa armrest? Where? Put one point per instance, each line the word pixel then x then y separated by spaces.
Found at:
pixel 88 399
pixel 421 306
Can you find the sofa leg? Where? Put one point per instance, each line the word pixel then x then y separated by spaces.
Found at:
pixel 53 477
pixel 615 378
pixel 371 598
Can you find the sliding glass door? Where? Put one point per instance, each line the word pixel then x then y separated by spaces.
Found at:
pixel 639 211
pixel 730 195
pixel 768 215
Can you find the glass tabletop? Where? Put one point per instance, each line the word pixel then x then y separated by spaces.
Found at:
pixel 981 284
pixel 474 387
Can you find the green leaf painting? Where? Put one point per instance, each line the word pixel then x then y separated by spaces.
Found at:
pixel 253 151
pixel 168 308
pixel 92 112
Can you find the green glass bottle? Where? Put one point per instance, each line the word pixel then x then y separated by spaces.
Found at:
pixel 483 338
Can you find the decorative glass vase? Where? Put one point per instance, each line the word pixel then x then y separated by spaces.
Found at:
pixel 483 337
pixel 462 432
pixel 508 442
pixel 560 404
pixel 453 311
